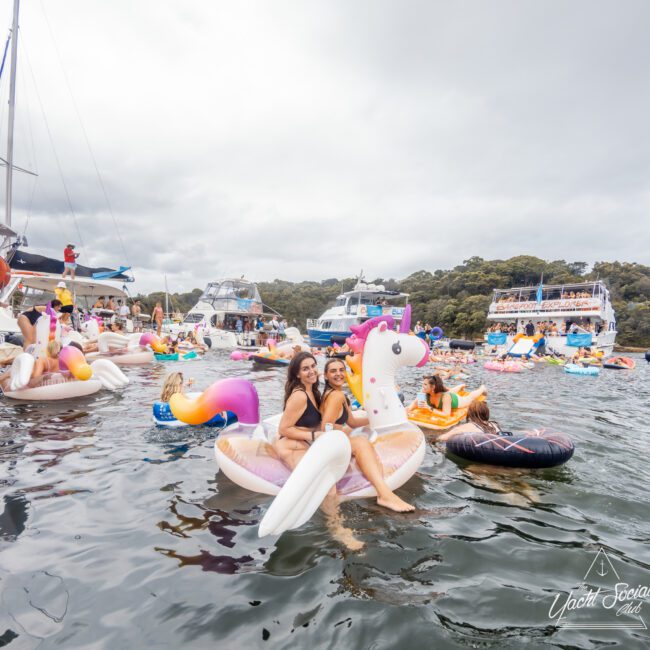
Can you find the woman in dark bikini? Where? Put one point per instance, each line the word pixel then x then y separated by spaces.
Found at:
pixel 27 321
pixel 335 410
pixel 301 421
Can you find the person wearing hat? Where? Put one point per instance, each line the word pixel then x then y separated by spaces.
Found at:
pixel 69 261
pixel 63 294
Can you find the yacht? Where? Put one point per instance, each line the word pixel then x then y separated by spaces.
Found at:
pixel 353 307
pixel 219 307
pixel 34 278
pixel 582 314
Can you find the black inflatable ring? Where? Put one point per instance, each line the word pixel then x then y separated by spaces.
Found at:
pixel 527 449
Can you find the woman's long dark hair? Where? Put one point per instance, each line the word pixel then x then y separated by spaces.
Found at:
pixel 437 383
pixel 293 381
pixel 478 414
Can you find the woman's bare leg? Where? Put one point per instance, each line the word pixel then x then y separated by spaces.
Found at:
pixel 371 468
pixel 466 400
pixel 27 330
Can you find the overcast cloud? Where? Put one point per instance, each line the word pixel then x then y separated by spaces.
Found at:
pixel 307 140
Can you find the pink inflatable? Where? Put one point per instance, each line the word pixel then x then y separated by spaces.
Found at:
pixel 507 366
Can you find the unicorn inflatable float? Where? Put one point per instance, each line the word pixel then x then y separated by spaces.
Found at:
pixel 76 378
pixel 245 452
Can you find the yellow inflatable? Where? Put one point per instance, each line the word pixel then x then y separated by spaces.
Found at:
pixel 426 418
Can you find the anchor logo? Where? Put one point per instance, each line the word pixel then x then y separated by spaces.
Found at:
pixel 602 571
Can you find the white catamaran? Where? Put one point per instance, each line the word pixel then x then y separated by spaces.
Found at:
pixel 34 277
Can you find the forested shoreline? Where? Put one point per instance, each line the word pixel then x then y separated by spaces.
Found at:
pixel 457 299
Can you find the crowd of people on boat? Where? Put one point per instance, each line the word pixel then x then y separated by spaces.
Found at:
pixel 553 295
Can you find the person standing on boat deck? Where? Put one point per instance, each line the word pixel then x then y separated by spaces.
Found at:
pixel 136 311
pixel 63 294
pixel 157 317
pixel 69 261
pixel 123 310
pixel 530 328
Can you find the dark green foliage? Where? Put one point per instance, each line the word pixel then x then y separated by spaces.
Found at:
pixel 457 300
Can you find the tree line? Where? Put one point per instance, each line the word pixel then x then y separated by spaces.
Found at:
pixel 458 299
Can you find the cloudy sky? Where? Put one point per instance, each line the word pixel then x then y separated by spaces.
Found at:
pixel 307 140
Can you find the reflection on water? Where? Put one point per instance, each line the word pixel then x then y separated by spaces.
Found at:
pixel 116 533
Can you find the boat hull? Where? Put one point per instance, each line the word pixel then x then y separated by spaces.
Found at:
pixel 323 338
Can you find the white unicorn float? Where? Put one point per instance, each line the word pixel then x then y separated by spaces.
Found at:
pixel 75 378
pixel 245 453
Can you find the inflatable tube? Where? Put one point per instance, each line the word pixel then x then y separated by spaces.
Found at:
pixel 56 387
pixel 72 359
pixel 321 467
pixel 236 395
pixel 239 355
pixel 436 333
pixel 619 363
pixel 575 369
pixel 153 342
pixel 166 357
pixel 426 418
pixel 528 449
pixel 507 366
pixel 253 463
pixel 163 416
pixel 268 360
pixel 461 344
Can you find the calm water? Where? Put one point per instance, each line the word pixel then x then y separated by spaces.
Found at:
pixel 117 534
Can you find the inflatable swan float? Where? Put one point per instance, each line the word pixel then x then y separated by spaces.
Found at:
pixel 245 453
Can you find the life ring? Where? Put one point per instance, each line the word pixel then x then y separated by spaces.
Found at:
pixel 619 363
pixel 461 344
pixel 527 449
pixel 436 333
pixel 5 273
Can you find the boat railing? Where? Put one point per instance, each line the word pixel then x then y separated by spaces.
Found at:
pixel 369 311
pixel 560 304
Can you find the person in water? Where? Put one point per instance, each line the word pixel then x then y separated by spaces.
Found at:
pixel 301 420
pixel 477 421
pixel 173 384
pixel 47 364
pixel 440 398
pixel 27 321
pixel 335 410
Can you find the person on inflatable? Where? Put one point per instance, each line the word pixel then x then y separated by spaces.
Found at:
pixel 173 384
pixel 43 365
pixel 335 410
pixel 27 321
pixel 440 398
pixel 301 420
pixel 477 421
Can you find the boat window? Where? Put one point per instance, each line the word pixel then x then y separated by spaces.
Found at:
pixel 193 318
pixel 340 302
pixel 326 325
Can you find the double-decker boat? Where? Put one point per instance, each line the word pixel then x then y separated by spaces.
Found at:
pixel 353 307
pixel 218 309
pixel 571 315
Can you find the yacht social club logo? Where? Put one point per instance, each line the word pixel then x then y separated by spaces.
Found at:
pixel 604 600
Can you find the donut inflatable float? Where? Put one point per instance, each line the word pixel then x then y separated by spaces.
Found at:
pixel 619 363
pixel 529 449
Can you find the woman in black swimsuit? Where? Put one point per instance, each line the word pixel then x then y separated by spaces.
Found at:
pixel 335 410
pixel 301 422
pixel 27 321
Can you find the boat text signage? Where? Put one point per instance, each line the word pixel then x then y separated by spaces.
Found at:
pixel 571 304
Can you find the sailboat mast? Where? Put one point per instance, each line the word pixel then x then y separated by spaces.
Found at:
pixel 12 103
